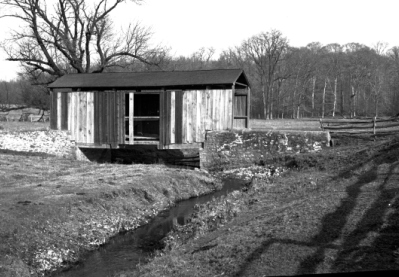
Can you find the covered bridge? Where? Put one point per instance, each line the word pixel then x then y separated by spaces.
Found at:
pixel 170 110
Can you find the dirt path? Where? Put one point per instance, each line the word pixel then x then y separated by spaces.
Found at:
pixel 356 231
pixel 339 212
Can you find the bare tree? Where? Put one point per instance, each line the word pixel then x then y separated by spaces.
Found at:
pixel 266 52
pixel 71 37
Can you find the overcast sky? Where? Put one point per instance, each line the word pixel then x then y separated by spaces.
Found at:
pixel 187 25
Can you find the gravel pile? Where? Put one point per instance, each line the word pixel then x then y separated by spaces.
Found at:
pixel 50 142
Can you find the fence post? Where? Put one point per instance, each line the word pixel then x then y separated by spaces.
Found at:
pixel 374 124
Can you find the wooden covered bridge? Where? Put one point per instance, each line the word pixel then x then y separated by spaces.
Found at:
pixel 169 110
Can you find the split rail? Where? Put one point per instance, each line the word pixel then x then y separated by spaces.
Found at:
pixel 380 126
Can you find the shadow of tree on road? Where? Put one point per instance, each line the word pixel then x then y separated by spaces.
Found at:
pixel 333 223
pixel 384 231
pixel 379 224
pixel 352 256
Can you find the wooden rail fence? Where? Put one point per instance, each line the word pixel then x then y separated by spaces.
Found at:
pixel 358 126
pixel 23 117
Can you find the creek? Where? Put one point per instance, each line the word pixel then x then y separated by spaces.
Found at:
pixel 126 251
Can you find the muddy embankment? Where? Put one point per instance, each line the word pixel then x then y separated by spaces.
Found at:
pixel 53 211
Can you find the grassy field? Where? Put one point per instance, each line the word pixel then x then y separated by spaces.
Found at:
pixel 335 211
pixel 286 124
pixel 54 210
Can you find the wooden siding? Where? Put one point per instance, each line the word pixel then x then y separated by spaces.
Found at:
pixel 53 110
pixel 188 114
pixel 90 117
pixel 241 109
pixel 59 110
pixel 98 118
pixel 240 105
pixel 239 123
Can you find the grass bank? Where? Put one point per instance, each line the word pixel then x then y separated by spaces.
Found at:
pixel 333 212
pixel 52 210
pixel 16 126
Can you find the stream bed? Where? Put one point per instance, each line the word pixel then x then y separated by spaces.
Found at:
pixel 126 251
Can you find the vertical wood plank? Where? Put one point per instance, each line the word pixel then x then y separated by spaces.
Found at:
pixel 172 117
pixel 161 120
pixel 228 107
pixel 101 112
pixel 69 113
pixel 59 110
pixel 105 117
pixel 95 117
pixel 198 125
pixel 122 117
pixel 233 114
pixel 113 117
pixel 204 115
pixel 167 117
pixel 79 118
pixel 123 131
pixel 111 133
pixel 217 109
pixel 179 117
pixel 108 118
pixel 184 116
pixel 222 106
pixel 194 116
pixel 83 117
pixel 90 118
pixel 189 117
pixel 131 118
pixel 214 104
pixel 229 119
pixel 209 109
pixel 117 117
pixel 220 110
pixel 226 110
pixel 53 108
pixel 77 115
pixel 71 126
pixel 248 107
pixel 65 111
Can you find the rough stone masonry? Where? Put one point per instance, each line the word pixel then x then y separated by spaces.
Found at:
pixel 222 149
pixel 226 149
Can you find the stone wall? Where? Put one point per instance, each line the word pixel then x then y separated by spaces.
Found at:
pixel 51 142
pixel 226 149
pixel 222 149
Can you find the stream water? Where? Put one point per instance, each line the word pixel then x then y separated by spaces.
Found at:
pixel 126 251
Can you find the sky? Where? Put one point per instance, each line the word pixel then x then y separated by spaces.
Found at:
pixel 187 25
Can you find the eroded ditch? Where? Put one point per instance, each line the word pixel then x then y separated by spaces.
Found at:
pixel 126 251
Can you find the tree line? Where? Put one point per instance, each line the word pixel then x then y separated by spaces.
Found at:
pixel 315 80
